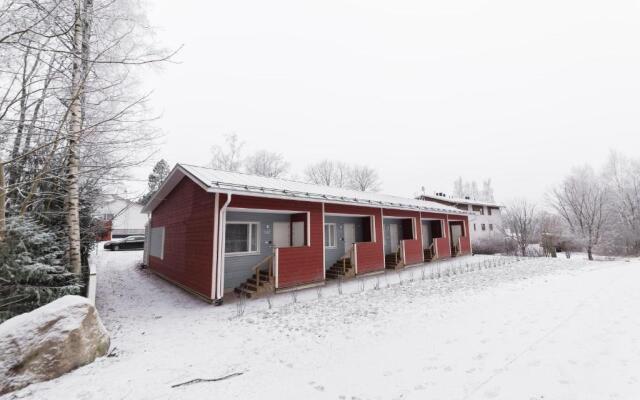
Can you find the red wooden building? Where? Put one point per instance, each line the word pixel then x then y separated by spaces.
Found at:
pixel 212 232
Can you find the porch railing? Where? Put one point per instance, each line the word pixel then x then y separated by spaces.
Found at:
pixel 348 255
pixel 398 254
pixel 257 269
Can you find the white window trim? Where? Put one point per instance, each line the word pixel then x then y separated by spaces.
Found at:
pixel 335 235
pixel 246 253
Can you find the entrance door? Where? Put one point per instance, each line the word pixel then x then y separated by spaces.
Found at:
pixel 394 237
pixel 349 236
pixel 426 235
pixel 456 232
pixel 281 234
pixel 297 230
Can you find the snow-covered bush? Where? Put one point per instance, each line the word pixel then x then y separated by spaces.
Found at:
pixel 493 245
pixel 32 269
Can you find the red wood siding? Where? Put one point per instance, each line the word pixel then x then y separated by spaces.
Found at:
pixel 443 249
pixel 465 245
pixel 296 265
pixel 370 256
pixel 187 217
pixel 413 252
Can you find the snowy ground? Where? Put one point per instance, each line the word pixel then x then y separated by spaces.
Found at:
pixel 533 329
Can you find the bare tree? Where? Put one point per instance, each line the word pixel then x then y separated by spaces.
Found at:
pixel 520 222
pixel 229 157
pixel 581 200
pixel 321 173
pixel 266 163
pixel 70 107
pixel 621 176
pixel 80 28
pixel 462 189
pixel 364 178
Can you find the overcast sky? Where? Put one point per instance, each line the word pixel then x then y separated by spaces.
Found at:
pixel 423 91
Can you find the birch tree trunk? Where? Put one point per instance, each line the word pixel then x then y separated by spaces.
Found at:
pixel 75 128
pixel 3 200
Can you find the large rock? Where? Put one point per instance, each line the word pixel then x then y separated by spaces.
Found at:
pixel 50 341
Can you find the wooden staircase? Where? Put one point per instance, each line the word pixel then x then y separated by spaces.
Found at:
pixel 261 282
pixel 429 253
pixel 393 261
pixel 341 269
pixel 455 251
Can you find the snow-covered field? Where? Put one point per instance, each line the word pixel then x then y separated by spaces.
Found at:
pixel 532 329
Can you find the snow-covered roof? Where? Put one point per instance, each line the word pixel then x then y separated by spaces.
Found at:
pixel 457 200
pixel 214 180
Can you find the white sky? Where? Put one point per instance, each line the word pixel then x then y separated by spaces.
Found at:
pixel 423 91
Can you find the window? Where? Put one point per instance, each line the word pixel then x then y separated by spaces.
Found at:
pixel 330 236
pixel 481 210
pixel 241 238
pixel 488 210
pixel 474 227
pixel 156 242
pixel 484 227
pixel 490 227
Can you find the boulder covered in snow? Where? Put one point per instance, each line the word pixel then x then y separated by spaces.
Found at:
pixel 50 341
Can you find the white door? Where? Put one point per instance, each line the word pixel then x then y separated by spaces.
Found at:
pixel 394 236
pixel 456 233
pixel 297 229
pixel 426 235
pixel 349 236
pixel 281 234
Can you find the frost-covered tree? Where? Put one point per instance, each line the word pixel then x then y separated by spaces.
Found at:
pixel 342 175
pixel 463 189
pixel 266 163
pixel 327 173
pixel 487 191
pixel 581 200
pixel 33 267
pixel 156 177
pixel 227 157
pixel 621 175
pixel 520 222
pixel 364 179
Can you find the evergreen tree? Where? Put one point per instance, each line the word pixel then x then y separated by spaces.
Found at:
pixel 156 177
pixel 33 269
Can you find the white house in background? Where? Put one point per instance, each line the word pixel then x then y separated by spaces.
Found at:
pixel 121 217
pixel 485 218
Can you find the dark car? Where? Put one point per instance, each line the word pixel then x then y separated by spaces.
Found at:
pixel 128 243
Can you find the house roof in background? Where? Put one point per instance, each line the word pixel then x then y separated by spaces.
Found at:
pixel 214 180
pixel 457 200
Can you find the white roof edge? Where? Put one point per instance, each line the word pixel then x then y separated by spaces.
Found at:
pixel 455 200
pixel 175 176
pixel 288 189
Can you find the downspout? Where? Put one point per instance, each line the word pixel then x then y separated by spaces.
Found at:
pixel 222 225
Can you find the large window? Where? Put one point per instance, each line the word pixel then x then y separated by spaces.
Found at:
pixel 242 238
pixel 156 242
pixel 330 236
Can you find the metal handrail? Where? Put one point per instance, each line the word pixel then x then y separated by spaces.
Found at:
pixel 257 268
